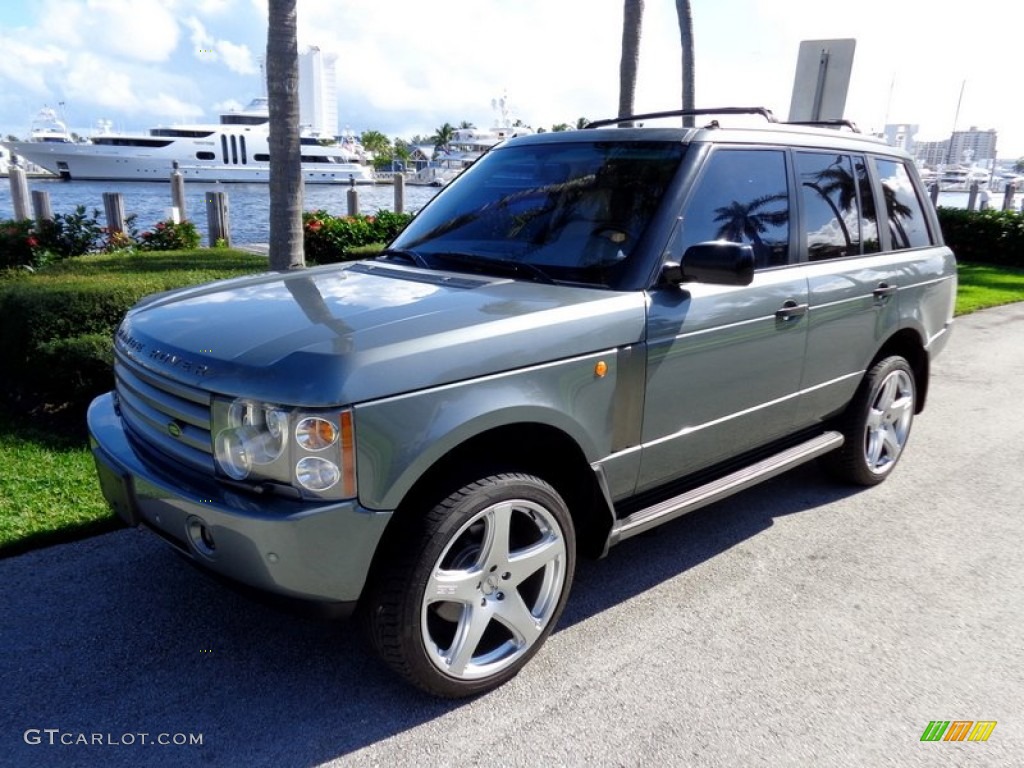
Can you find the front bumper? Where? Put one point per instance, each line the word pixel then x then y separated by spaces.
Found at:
pixel 294 549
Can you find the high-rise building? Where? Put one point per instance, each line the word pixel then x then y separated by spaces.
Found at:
pixel 972 146
pixel 318 92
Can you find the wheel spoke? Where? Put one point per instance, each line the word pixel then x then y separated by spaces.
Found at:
pixel 523 563
pixel 892 443
pixel 494 548
pixel 875 443
pixel 888 393
pixel 517 618
pixel 472 625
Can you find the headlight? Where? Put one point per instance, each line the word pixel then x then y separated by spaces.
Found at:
pixel 261 443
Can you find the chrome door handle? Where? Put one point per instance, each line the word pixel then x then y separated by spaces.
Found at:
pixel 791 311
pixel 883 291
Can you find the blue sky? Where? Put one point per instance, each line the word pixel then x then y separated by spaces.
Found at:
pixel 406 67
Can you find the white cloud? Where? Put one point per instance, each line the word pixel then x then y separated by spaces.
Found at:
pixel 90 80
pixel 140 30
pixel 163 105
pixel 25 66
pixel 237 58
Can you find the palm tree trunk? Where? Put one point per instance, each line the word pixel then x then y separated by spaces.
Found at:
pixel 286 251
pixel 632 17
pixel 686 43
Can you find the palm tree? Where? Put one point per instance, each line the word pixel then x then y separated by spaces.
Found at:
pixel 686 43
pixel 375 142
pixel 443 136
pixel 632 18
pixel 286 250
pixel 466 124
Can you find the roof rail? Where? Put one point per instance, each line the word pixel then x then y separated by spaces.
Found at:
pixel 838 122
pixel 764 112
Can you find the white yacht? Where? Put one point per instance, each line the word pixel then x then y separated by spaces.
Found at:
pixel 467 145
pixel 234 150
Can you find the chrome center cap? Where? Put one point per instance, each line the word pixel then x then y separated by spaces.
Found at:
pixel 489 585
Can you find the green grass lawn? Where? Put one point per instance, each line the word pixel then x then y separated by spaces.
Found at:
pixel 982 286
pixel 48 489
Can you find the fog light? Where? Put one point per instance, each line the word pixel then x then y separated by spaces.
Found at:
pixel 201 536
pixel 316 474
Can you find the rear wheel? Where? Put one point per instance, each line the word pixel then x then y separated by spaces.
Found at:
pixel 475 587
pixel 877 424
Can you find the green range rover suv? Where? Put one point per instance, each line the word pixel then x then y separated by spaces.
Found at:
pixel 585 335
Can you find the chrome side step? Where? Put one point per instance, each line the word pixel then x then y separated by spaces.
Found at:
pixel 645 519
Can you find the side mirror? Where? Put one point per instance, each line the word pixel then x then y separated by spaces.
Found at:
pixel 719 262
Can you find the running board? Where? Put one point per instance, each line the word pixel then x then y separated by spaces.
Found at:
pixel 645 519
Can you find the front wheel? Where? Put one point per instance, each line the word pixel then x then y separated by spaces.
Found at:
pixel 876 424
pixel 474 587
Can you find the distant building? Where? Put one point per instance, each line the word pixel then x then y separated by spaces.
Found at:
pixel 901 135
pixel 318 92
pixel 972 147
pixel 931 154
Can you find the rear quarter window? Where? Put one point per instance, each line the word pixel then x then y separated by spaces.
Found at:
pixel 903 208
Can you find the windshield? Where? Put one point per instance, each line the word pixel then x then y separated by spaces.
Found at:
pixel 566 211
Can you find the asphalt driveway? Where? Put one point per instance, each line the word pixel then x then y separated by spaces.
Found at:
pixel 796 624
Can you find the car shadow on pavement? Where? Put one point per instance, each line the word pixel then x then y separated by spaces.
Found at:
pixel 114 637
pixel 694 538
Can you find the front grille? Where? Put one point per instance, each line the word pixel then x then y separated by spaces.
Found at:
pixel 165 415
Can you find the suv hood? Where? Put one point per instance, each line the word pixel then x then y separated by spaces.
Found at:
pixel 340 335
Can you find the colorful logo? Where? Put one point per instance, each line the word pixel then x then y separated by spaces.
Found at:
pixel 958 730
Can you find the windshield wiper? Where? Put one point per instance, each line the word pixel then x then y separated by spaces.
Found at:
pixel 404 255
pixel 484 264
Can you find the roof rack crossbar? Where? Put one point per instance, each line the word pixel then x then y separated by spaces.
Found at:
pixel 764 112
pixel 837 122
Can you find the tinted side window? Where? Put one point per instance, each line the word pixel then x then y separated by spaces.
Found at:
pixel 742 196
pixel 828 189
pixel 907 224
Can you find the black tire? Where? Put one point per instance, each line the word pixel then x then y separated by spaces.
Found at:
pixel 473 588
pixel 876 424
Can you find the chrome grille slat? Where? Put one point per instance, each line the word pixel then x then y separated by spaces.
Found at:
pixel 152 406
pixel 181 410
pixel 157 420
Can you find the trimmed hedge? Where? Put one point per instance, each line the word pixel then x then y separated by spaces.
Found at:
pixel 56 336
pixel 329 239
pixel 984 237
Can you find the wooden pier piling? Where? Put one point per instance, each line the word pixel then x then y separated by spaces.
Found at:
pixel 19 192
pixel 41 206
pixel 399 182
pixel 178 195
pixel 353 197
pixel 113 208
pixel 217 219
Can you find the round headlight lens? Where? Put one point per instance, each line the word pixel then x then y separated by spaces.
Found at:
pixel 316 474
pixel 233 454
pixel 315 434
pixel 277 424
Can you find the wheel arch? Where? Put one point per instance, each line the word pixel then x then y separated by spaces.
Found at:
pixel 532 448
pixel 908 344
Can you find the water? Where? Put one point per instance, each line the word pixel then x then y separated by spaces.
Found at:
pixel 248 204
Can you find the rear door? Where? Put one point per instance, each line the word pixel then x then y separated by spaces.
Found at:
pixel 860 256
